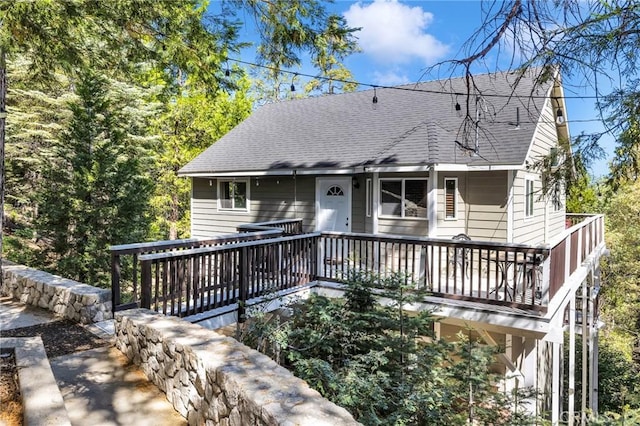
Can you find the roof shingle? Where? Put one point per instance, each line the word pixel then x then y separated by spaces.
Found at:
pixel 414 126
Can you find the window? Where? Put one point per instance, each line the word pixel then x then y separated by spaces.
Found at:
pixel 528 197
pixel 403 198
pixel 450 198
pixel 233 195
pixel 369 197
pixel 335 191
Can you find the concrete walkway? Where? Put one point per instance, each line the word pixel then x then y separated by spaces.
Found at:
pixel 99 386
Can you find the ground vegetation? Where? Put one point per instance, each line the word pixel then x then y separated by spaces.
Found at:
pixel 384 363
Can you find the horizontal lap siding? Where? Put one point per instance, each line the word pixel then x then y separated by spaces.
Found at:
pixel 272 199
pixel 203 206
pixel 531 230
pixel 557 220
pixel 486 205
pixel 527 229
pixel 358 212
pixel 410 227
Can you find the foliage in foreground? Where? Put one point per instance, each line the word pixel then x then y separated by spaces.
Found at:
pixel 382 363
pixel 618 379
pixel 92 162
pixel 97 185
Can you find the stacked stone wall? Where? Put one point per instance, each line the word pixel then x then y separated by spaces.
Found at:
pixel 63 297
pixel 214 380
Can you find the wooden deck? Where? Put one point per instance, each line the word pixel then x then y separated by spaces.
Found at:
pixel 193 276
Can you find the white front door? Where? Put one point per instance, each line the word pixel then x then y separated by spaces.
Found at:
pixel 333 207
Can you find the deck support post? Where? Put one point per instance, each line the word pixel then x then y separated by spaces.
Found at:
pixel 572 359
pixel 594 341
pixel 511 381
pixel 529 367
pixel 585 353
pixel 556 378
pixel 587 377
pixel 594 371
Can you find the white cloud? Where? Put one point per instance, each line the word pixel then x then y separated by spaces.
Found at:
pixel 390 78
pixel 395 33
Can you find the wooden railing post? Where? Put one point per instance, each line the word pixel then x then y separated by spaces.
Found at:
pixel 314 255
pixel 145 293
pixel 115 282
pixel 134 281
pixel 243 283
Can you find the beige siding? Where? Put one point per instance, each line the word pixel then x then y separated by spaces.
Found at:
pixel 271 198
pixel 557 222
pixel 482 206
pixel 531 230
pixel 410 227
pixel 358 213
pixel 486 206
pixel 557 219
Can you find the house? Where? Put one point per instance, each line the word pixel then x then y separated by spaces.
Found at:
pixel 409 164
pixel 387 180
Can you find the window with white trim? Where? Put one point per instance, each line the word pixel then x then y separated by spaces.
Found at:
pixel 450 198
pixel 233 194
pixel 369 197
pixel 528 197
pixel 403 198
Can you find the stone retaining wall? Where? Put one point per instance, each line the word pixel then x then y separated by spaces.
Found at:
pixel 215 380
pixel 65 298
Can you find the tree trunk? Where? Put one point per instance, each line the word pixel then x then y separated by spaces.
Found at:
pixel 174 217
pixel 3 119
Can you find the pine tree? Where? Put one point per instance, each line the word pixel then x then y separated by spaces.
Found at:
pixel 331 47
pixel 191 121
pixel 98 188
pixel 37 116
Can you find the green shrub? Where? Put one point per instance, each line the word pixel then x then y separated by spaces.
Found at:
pixel 383 363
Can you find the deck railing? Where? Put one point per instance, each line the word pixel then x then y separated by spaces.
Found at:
pixel 569 250
pixel 188 282
pixel 288 226
pixel 504 274
pixel 125 270
pixel 234 269
pixel 576 218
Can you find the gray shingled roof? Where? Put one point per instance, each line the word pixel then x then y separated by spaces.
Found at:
pixel 406 128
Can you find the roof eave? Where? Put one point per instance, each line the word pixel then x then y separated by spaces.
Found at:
pixel 354 170
pixel 475 168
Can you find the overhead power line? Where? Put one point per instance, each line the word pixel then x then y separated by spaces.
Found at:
pixel 407 89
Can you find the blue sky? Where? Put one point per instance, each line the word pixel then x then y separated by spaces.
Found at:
pixel 401 38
